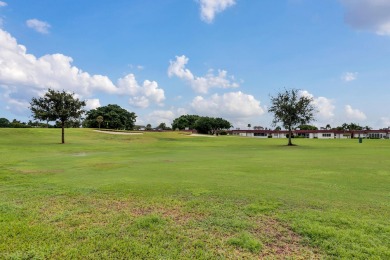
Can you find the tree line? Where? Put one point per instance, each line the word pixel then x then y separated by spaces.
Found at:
pixel 289 108
pixel 66 111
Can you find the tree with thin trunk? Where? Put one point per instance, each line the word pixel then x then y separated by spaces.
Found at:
pixel 56 105
pixel 291 109
pixel 99 119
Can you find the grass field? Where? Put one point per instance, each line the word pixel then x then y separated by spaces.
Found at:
pixel 172 196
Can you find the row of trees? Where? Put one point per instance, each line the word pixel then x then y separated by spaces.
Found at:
pixel 288 107
pixel 343 127
pixel 202 124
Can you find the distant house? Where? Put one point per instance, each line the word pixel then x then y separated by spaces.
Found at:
pixel 317 134
pixel 139 127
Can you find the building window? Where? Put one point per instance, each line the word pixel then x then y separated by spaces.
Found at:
pixel 326 135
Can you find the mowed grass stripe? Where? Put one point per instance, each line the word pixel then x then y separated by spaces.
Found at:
pixel 169 195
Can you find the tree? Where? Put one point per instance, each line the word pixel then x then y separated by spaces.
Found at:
pixel 148 127
pixel 307 127
pixel 220 124
pixel 114 116
pixel 353 126
pixel 185 121
pixel 4 122
pixel 328 127
pixel 162 126
pixel 55 105
pixel 99 119
pixel 291 109
pixel 211 125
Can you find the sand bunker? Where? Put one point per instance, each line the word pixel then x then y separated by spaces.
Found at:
pixel 117 133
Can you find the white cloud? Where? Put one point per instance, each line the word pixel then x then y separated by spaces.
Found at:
pixel 15 104
pixel 39 26
pixel 23 76
pixel 230 105
pixel 143 95
pixel 354 114
pixel 92 103
pixel 385 121
pixel 2 4
pixel 324 105
pixel 161 116
pixel 349 76
pixel 368 15
pixel 209 8
pixel 200 84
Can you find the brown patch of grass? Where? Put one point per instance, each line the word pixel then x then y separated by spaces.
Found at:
pixel 280 242
pixel 71 212
pixel 39 171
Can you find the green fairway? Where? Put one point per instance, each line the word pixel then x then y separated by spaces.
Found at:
pixel 174 196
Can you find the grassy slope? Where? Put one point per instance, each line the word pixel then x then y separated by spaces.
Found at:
pixel 166 195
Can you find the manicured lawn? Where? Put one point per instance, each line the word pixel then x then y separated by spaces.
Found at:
pixel 172 196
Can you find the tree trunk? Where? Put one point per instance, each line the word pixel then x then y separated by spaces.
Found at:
pixel 63 131
pixel 289 135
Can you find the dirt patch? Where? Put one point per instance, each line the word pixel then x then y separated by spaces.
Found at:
pixel 280 242
pixel 39 171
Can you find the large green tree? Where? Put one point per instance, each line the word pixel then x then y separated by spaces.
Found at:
pixel 211 125
pixel 185 121
pixel 56 105
pixel 114 116
pixel 291 109
pixel 4 122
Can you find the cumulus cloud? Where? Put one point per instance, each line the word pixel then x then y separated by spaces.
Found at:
pixel 92 103
pixel 200 84
pixel 354 114
pixel 161 116
pixel 142 96
pixel 39 26
pixel 22 76
pixel 385 121
pixel 368 15
pixel 209 8
pixel 349 76
pixel 231 105
pixel 2 4
pixel 324 105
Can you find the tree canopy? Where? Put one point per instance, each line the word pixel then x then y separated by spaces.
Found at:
pixel 114 117
pixel 4 122
pixel 291 109
pixel 307 127
pixel 56 105
pixel 211 125
pixel 185 121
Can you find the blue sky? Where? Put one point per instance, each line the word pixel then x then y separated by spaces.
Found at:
pixel 162 59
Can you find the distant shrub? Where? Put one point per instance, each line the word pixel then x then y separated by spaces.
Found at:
pixel 223 133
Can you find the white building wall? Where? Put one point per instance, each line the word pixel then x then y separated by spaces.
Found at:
pixel 325 135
